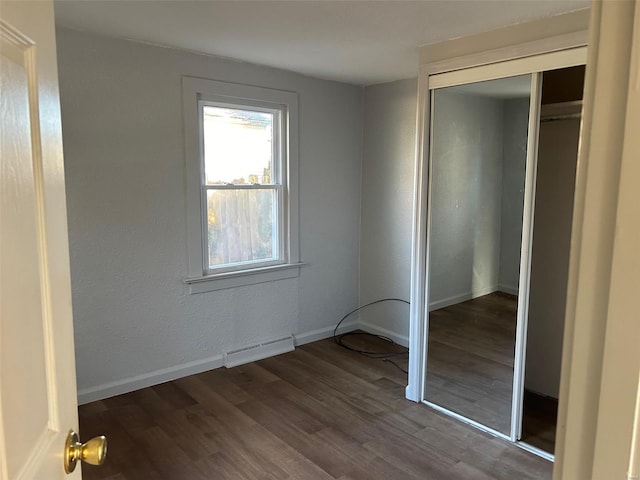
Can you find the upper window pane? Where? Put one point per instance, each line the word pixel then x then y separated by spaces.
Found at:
pixel 238 146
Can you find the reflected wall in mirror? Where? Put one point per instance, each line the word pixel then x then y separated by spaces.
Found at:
pixel 478 158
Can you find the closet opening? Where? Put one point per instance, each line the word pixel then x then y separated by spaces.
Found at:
pixel 559 133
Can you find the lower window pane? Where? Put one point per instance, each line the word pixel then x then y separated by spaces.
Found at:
pixel 241 226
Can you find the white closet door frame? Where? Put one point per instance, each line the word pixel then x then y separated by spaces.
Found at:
pixel 431 78
pixel 522 322
pixel 521 66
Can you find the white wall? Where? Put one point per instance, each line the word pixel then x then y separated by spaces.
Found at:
pixel 516 124
pixel 387 205
pixel 557 156
pixel 122 125
pixel 466 194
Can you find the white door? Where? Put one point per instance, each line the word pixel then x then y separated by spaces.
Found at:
pixel 37 369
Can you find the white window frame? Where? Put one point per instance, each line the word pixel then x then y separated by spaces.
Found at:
pixel 278 173
pixel 197 93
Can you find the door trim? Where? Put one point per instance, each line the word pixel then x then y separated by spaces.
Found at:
pixel 522 322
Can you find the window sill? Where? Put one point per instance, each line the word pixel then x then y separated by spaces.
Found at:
pixel 240 278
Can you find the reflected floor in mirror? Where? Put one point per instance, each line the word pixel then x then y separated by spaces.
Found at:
pixel 470 358
pixel 470 371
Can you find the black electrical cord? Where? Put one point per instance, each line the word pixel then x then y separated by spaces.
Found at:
pixel 388 360
pixel 384 356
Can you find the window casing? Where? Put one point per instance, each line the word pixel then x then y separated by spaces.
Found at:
pixel 242 199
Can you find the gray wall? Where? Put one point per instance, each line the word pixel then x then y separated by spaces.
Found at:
pixel 466 196
pixel 125 173
pixel 387 205
pixel 516 123
pixel 557 154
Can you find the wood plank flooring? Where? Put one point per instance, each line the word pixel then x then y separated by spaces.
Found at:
pixel 470 367
pixel 470 359
pixel 539 422
pixel 319 412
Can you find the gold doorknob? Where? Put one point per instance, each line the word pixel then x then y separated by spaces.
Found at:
pixel 94 451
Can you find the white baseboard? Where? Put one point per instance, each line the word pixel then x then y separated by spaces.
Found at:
pixel 510 289
pixel 127 385
pixel 411 393
pixel 111 389
pixel 396 337
pixel 323 333
pixel 462 297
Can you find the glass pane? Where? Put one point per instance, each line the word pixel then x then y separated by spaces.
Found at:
pixel 241 226
pixel 238 146
pixel 479 151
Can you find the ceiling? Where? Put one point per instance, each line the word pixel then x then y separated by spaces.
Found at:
pixel 361 42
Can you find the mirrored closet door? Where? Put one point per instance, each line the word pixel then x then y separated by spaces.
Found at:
pixel 501 173
pixel 478 160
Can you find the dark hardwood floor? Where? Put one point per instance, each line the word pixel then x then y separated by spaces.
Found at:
pixel 319 412
pixel 470 367
pixel 539 421
pixel 470 359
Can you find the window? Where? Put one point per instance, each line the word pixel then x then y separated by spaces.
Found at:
pixel 242 187
pixel 241 154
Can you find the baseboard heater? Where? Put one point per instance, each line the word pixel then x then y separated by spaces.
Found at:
pixel 265 349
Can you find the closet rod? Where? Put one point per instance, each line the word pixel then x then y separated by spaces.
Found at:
pixel 556 118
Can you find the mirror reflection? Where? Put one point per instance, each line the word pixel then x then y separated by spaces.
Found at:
pixel 478 157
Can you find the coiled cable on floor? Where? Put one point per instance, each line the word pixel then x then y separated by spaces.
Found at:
pixel 385 356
